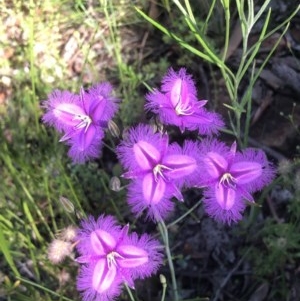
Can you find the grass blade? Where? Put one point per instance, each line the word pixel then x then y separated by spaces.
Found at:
pixel 4 247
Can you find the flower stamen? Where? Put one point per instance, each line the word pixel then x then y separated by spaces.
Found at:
pixel 85 121
pixel 158 171
pixel 228 180
pixel 111 259
pixel 183 109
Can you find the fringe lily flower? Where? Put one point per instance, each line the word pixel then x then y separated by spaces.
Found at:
pixel 177 104
pixel 81 118
pixel 158 170
pixel 230 178
pixel 111 257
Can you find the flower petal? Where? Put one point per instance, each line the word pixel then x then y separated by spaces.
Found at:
pixel 131 256
pixel 232 153
pixel 86 145
pixel 68 135
pixel 84 259
pixel 180 166
pixel 123 234
pixel 102 104
pixel 175 192
pixel 65 112
pixel 245 172
pixel 213 208
pixel 103 277
pixel 61 107
pixel 180 78
pixel 201 103
pixel 96 107
pixel 246 195
pixel 215 164
pixel 153 191
pixel 145 154
pixel 179 93
pixel 225 196
pixel 139 204
pixel 85 138
pixel 102 242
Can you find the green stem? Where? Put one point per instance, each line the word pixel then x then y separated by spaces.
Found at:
pixel 129 292
pixel 204 28
pixel 185 214
pixel 227 29
pixel 164 286
pixel 164 233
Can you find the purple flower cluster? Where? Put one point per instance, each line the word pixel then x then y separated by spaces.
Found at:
pixel 110 257
pixel 81 118
pixel 159 170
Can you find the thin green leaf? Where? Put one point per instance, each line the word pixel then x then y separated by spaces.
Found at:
pixel 166 5
pixel 189 11
pixel 4 247
pixel 32 222
pixel 240 9
pixel 255 77
pixel 256 49
pixel 237 108
pixel 261 10
pixel 267 58
pixel 250 20
pixel 181 8
pixel 5 222
pixel 277 27
pixel 227 28
pixel 173 36
pixel 18 179
pixel 44 288
pixel 208 16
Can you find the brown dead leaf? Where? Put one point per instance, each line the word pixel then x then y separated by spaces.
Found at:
pixel 269 43
pixel 261 293
pixel 271 79
pixel 288 74
pixel 265 103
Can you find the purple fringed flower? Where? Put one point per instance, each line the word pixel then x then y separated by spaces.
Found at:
pixel 230 178
pixel 178 104
pixel 111 257
pixel 158 169
pixel 81 118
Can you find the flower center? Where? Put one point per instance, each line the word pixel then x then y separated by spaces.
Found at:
pixel 228 180
pixel 84 121
pixel 111 259
pixel 158 171
pixel 183 108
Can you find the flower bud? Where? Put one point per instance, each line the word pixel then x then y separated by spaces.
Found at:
pixel 114 129
pixel 67 204
pixel 162 279
pixel 115 184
